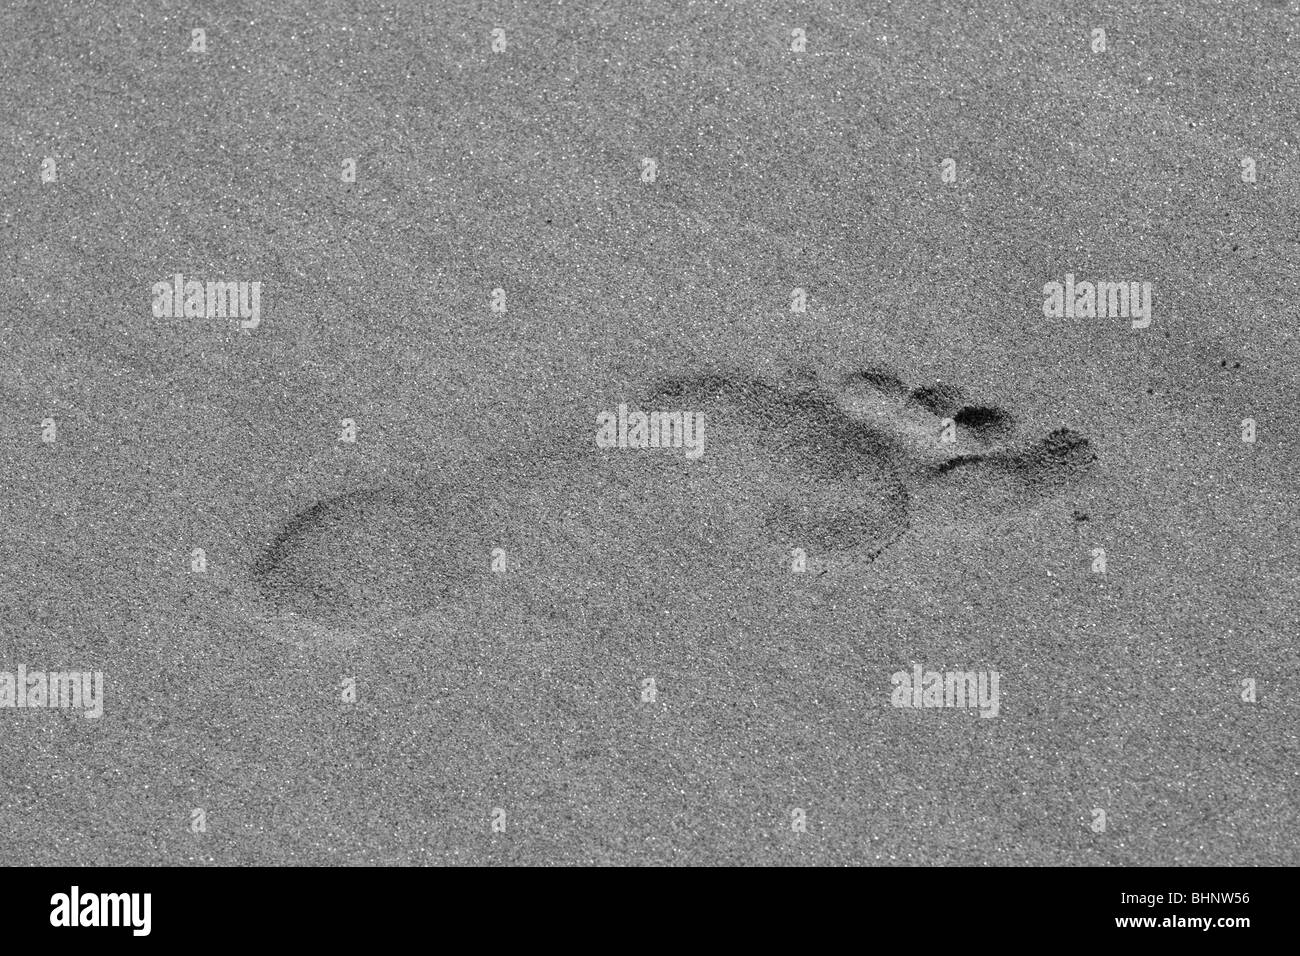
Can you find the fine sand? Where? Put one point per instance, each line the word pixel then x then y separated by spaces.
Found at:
pixel 372 561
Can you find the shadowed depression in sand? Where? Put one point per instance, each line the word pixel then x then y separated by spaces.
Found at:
pixel 844 467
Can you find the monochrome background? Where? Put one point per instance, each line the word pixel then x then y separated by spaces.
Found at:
pixel 521 170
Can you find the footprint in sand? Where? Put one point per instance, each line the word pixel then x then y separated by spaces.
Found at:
pixel 846 467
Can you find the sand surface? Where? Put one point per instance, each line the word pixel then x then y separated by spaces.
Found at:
pixel 522 170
